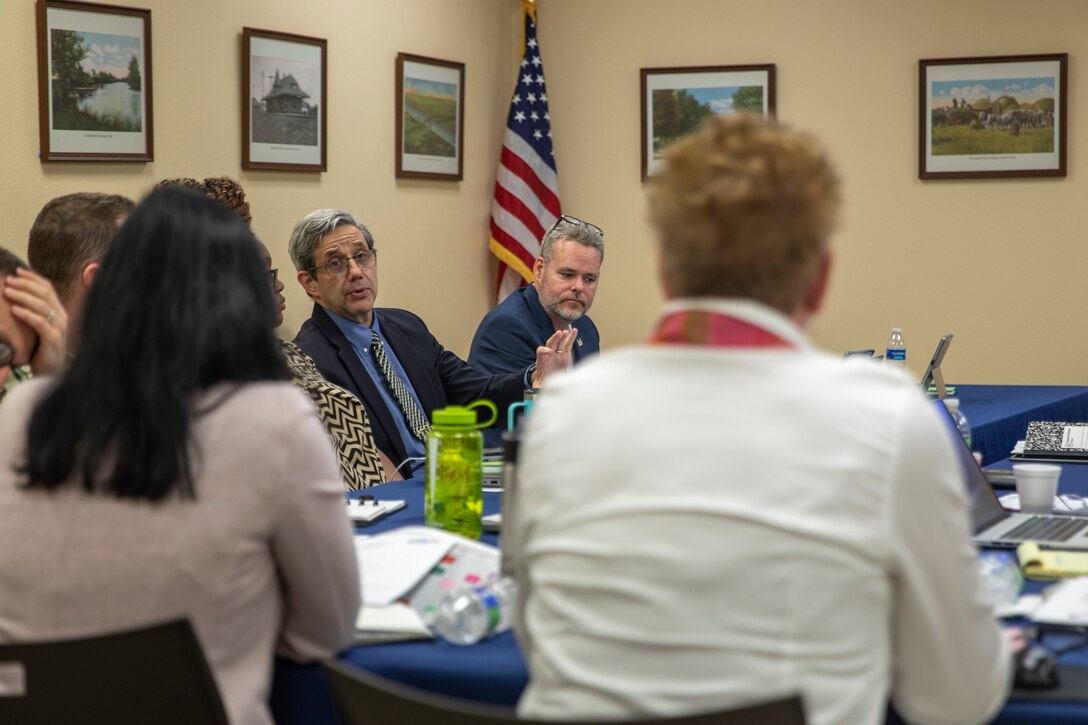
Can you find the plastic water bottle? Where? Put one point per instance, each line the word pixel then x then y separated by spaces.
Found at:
pixel 1000 574
pixel 470 614
pixel 896 353
pixel 454 498
pixel 964 428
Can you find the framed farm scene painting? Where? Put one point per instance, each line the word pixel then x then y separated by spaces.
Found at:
pixel 430 118
pixel 992 117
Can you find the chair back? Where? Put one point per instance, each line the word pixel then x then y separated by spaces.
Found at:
pixel 153 675
pixel 365 698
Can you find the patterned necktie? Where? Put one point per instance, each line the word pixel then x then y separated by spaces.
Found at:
pixel 417 422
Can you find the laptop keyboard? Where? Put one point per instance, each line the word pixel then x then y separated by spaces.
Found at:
pixel 1047 528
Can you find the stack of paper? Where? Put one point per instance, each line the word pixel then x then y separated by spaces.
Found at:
pixel 365 511
pixel 406 572
pixel 1065 605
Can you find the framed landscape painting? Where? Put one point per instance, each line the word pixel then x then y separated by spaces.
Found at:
pixel 676 100
pixel 992 117
pixel 94 82
pixel 284 107
pixel 430 118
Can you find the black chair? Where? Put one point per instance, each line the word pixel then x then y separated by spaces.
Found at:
pixel 153 675
pixel 365 699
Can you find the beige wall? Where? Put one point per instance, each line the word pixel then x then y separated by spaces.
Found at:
pixel 996 262
pixel 431 235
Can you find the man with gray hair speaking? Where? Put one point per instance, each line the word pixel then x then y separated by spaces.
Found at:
pixel 387 357
pixel 565 281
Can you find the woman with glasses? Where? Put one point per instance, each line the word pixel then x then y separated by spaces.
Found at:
pixel 172 470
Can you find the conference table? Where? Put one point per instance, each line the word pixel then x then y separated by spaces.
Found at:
pixel 999 414
pixel 493 671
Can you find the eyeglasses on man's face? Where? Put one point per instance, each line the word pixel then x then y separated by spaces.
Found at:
pixel 339 267
pixel 575 221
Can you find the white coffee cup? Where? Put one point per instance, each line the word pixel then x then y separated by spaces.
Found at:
pixel 1036 485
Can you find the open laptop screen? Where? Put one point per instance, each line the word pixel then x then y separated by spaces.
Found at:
pixel 986 510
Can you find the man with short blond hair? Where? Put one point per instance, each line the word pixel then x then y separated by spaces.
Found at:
pixel 742 517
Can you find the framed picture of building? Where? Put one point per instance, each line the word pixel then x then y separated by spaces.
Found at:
pixel 676 100
pixel 430 118
pixel 94 82
pixel 284 101
pixel 992 117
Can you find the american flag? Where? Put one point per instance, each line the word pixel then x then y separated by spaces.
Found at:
pixel 526 202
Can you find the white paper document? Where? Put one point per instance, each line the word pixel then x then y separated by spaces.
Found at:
pixel 1075 436
pixel 1064 504
pixel 395 618
pixel 390 564
pixel 1066 604
pixel 363 512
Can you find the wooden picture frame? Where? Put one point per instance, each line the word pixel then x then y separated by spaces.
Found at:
pixel 992 117
pixel 284 101
pixel 430 118
pixel 676 100
pixel 94 82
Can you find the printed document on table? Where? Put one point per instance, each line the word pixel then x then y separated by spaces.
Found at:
pixel 1066 604
pixel 392 563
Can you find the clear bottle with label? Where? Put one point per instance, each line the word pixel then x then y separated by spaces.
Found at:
pixel 896 353
pixel 471 614
pixel 453 497
pixel 964 428
pixel 1001 577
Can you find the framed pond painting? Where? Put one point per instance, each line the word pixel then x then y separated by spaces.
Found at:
pixel 676 100
pixel 284 102
pixel 430 118
pixel 992 117
pixel 94 82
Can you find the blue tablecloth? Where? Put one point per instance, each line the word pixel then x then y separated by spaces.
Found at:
pixel 492 671
pixel 999 414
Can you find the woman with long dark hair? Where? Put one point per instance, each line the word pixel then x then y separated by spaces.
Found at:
pixel 172 470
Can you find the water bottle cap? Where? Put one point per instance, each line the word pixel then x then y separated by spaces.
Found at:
pixel 952 404
pixel 897 330
pixel 464 416
pixel 455 416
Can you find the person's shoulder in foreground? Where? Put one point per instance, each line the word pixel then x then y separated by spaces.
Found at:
pixel 752 518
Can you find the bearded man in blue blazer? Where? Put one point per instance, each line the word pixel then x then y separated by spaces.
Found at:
pixel 565 281
pixel 387 357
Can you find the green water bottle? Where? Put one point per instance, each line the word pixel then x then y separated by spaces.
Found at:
pixel 454 497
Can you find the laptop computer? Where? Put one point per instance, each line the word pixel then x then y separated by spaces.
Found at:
pixel 994 526
pixel 933 378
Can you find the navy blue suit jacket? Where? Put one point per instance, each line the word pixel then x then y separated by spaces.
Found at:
pixel 439 377
pixel 509 335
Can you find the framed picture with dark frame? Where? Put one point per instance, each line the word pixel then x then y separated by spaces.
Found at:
pixel 94 82
pixel 284 101
pixel 992 117
pixel 430 118
pixel 676 100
